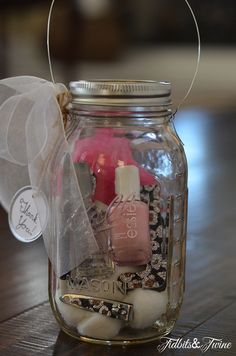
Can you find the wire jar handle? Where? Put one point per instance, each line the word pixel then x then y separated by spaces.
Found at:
pixel 198 51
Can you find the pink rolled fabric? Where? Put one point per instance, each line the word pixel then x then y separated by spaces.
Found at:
pixel 104 152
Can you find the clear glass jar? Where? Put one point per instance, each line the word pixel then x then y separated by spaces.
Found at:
pixel 132 173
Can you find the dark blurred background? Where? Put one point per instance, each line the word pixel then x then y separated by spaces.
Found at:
pixel 142 39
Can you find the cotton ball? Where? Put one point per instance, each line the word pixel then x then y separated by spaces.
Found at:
pixel 104 289
pixel 148 306
pixel 70 314
pixel 100 327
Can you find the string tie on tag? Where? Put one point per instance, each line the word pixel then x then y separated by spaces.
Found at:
pixel 63 100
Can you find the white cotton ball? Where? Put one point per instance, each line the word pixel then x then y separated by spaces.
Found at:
pixel 148 306
pixel 99 327
pixel 107 288
pixel 70 314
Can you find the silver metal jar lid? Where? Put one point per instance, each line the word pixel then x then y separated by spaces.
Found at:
pixel 121 92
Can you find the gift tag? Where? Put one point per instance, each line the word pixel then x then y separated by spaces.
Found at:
pixel 25 219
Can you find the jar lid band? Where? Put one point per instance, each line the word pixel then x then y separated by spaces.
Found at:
pixel 121 89
pixel 139 95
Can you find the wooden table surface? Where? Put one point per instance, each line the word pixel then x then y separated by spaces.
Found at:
pixel 27 326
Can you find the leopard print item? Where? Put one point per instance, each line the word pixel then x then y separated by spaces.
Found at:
pixel 106 307
pixel 155 274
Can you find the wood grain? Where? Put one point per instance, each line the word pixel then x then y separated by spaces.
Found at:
pixel 23 273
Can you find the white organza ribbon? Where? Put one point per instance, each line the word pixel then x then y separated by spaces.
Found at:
pixel 31 132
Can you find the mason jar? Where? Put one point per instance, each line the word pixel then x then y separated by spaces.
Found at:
pixel 131 173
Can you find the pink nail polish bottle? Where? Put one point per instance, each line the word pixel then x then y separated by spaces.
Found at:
pixel 129 220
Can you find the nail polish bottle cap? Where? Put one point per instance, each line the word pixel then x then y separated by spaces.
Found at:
pixel 127 183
